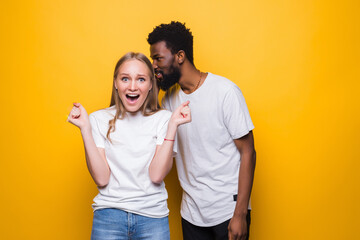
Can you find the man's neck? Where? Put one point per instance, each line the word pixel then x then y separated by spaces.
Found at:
pixel 190 79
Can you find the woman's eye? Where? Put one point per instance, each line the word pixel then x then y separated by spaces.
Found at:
pixel 142 79
pixel 124 79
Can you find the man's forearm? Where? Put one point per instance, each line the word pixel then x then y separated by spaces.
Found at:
pixel 246 177
pixel 246 148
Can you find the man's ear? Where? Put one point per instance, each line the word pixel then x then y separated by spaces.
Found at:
pixel 180 57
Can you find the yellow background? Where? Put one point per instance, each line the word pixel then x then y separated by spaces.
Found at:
pixel 297 63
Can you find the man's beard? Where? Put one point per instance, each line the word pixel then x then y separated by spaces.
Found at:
pixel 169 80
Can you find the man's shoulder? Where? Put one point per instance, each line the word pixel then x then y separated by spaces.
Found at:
pixel 220 81
pixel 170 95
pixel 174 90
pixel 220 86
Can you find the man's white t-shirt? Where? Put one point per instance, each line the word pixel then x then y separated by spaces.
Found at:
pixel 129 155
pixel 208 161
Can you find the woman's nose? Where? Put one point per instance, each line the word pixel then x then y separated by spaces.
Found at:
pixel 133 85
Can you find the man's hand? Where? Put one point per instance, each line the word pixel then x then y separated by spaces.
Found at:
pixel 237 228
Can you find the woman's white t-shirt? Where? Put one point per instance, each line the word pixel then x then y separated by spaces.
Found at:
pixel 129 155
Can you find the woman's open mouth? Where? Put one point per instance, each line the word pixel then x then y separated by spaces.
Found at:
pixel 132 98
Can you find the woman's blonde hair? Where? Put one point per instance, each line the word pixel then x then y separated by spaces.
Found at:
pixel 151 104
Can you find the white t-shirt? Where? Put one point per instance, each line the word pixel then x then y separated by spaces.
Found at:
pixel 208 161
pixel 129 155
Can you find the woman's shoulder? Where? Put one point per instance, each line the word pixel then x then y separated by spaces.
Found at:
pixel 161 115
pixel 104 114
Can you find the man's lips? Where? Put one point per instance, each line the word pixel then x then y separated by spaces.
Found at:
pixel 158 75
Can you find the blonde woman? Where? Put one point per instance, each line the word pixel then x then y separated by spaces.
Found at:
pixel 129 148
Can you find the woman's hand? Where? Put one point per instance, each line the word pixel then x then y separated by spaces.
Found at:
pixel 79 117
pixel 181 115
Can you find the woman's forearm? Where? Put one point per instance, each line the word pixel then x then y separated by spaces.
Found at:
pixel 95 159
pixel 162 161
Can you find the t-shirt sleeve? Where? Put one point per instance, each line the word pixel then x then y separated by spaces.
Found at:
pixel 162 129
pixel 236 114
pixel 99 138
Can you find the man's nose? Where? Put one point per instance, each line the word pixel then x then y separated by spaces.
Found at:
pixel 155 66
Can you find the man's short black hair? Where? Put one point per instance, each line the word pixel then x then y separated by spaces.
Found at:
pixel 176 36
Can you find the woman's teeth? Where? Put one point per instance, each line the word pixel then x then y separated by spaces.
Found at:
pixel 132 97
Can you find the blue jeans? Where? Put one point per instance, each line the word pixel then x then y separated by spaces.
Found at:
pixel 116 224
